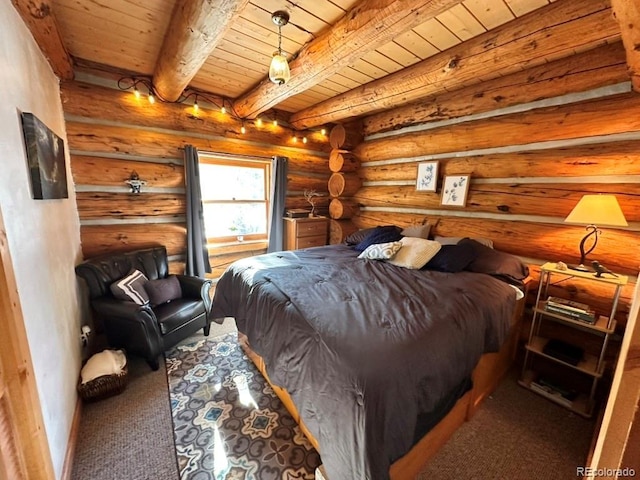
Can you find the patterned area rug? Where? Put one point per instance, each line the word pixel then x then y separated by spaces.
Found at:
pixel 228 422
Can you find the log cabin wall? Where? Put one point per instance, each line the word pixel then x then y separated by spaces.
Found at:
pixel 111 134
pixel 533 142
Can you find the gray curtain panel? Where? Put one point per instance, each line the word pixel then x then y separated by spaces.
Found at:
pixel 197 253
pixel 279 167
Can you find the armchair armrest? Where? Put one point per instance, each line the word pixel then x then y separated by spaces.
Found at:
pixel 131 326
pixel 128 311
pixel 113 307
pixel 196 287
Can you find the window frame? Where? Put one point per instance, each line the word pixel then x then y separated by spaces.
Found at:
pixel 250 162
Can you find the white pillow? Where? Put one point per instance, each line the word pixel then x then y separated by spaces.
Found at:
pixel 381 251
pixel 415 252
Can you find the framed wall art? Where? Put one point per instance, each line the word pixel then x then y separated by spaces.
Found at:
pixel 454 190
pixel 45 159
pixel 427 179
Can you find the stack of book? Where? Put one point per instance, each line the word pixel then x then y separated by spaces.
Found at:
pixel 576 310
pixel 554 391
pixel 297 212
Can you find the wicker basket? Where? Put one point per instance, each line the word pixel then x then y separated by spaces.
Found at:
pixel 104 386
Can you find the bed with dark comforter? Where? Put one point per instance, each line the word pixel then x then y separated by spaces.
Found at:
pixel 363 347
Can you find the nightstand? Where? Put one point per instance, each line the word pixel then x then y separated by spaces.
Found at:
pixel 570 357
pixel 305 232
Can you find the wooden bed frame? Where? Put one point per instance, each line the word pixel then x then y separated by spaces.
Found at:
pixel 490 370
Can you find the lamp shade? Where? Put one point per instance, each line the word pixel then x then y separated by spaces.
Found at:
pixel 279 69
pixel 598 209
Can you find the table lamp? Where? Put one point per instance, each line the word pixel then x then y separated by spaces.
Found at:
pixel 592 210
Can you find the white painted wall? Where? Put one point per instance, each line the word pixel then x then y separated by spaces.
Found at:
pixel 43 235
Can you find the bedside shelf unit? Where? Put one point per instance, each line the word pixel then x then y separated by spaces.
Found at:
pixel 592 366
pixel 305 232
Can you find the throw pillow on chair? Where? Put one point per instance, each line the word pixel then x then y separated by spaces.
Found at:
pixel 163 290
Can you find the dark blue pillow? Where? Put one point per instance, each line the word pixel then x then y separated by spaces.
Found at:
pixel 451 258
pixel 356 237
pixel 389 233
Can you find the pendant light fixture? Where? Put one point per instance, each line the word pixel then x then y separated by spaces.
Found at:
pixel 279 69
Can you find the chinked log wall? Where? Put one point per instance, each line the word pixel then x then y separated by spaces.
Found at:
pixel 529 163
pixel 111 134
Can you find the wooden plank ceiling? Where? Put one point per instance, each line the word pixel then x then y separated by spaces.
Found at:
pixel 128 35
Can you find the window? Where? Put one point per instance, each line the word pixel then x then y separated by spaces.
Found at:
pixel 235 198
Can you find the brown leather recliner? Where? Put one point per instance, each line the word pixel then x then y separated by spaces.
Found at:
pixel 141 329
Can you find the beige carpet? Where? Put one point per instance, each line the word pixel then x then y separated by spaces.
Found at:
pixel 130 436
pixel 515 435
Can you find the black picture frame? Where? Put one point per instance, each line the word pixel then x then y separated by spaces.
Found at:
pixel 45 159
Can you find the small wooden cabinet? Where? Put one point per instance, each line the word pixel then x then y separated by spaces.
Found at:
pixel 590 366
pixel 305 232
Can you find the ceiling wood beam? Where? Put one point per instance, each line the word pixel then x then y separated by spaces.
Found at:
pixel 196 28
pixel 550 33
pixel 38 16
pixel 370 24
pixel 584 71
pixel 627 12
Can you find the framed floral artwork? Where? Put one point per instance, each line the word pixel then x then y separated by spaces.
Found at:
pixel 427 179
pixel 454 190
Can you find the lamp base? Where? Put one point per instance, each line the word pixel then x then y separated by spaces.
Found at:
pixel 580 268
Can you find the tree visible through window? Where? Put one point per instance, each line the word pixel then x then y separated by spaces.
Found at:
pixel 235 198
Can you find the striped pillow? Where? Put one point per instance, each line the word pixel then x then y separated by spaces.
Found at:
pixel 131 288
pixel 381 251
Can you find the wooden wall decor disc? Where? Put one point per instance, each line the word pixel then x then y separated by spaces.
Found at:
pixel 343 184
pixel 339 230
pixel 337 136
pixel 341 208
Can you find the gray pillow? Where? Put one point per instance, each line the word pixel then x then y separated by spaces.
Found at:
pixel 131 288
pixel 487 242
pixel 496 263
pixel 418 231
pixel 163 290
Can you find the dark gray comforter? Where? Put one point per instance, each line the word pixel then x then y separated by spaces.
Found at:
pixel 362 346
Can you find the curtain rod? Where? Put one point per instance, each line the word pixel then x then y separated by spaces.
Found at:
pixel 231 156
pixel 241 158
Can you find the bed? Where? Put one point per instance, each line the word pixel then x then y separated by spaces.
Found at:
pixel 373 360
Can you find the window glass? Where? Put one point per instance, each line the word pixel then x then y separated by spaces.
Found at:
pixel 230 182
pixel 225 220
pixel 234 198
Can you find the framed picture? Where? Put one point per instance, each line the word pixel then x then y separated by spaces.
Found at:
pixel 427 179
pixel 454 190
pixel 45 158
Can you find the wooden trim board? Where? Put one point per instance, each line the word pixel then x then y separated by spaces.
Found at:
pixel 67 468
pixel 24 449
